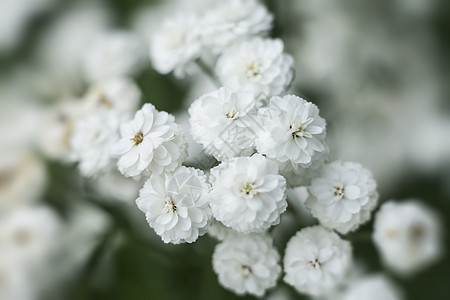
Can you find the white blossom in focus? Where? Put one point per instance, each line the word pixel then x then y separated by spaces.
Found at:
pixel 176 45
pixel 291 131
pixel 91 141
pixel 258 66
pixel 177 205
pixel 222 120
pixel 113 54
pixel 119 94
pixel 407 235
pixel 247 264
pixel 316 260
pixel 152 142
pixel 234 20
pixel 248 194
pixel 372 287
pixel 343 196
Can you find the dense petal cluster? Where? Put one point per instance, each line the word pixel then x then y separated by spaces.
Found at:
pixel 316 260
pixel 343 196
pixel 222 122
pixel 176 44
pixel 408 236
pixel 247 264
pixel 248 194
pixel 258 66
pixel 291 131
pixel 92 139
pixel 177 205
pixel 152 142
pixel 233 20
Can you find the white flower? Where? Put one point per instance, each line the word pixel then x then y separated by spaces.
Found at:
pixel 343 196
pixel 113 186
pixel 152 142
pixel 30 236
pixel 372 287
pixel 91 141
pixel 233 20
pixel 222 120
pixel 112 55
pixel 119 94
pixel 408 236
pixel 176 45
pixel 247 264
pixel 177 205
pixel 258 66
pixel 291 131
pixel 248 194
pixel 316 260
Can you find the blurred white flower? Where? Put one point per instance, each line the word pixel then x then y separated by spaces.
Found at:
pixel 247 264
pixel 343 196
pixel 291 131
pixel 114 186
pixel 176 45
pixel 30 236
pixel 177 205
pixel 248 194
pixel 57 129
pixel 22 178
pixel 152 142
pixel 91 141
pixel 258 66
pixel 113 54
pixel 119 94
pixel 316 260
pixel 408 236
pixel 372 287
pixel 15 282
pixel 234 20
pixel 222 120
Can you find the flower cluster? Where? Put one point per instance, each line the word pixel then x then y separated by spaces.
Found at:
pixel 260 140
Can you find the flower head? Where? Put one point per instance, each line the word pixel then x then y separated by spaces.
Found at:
pixel 316 260
pixel 247 264
pixel 248 194
pixel 407 235
pixel 177 205
pixel 221 121
pixel 343 196
pixel 291 131
pixel 258 66
pixel 152 142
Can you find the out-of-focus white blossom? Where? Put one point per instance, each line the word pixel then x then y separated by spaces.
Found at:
pixel 222 122
pixel 371 287
pixel 343 196
pixel 176 45
pixel 114 186
pixel 92 139
pixel 247 264
pixel 177 205
pixel 118 94
pixel 152 142
pixel 15 282
pixel 219 231
pixel 316 260
pixel 248 194
pixel 234 20
pixel 57 129
pixel 258 66
pixel 113 54
pixel 291 131
pixel 22 178
pixel 408 236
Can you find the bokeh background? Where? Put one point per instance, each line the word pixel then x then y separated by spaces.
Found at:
pixel 378 70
